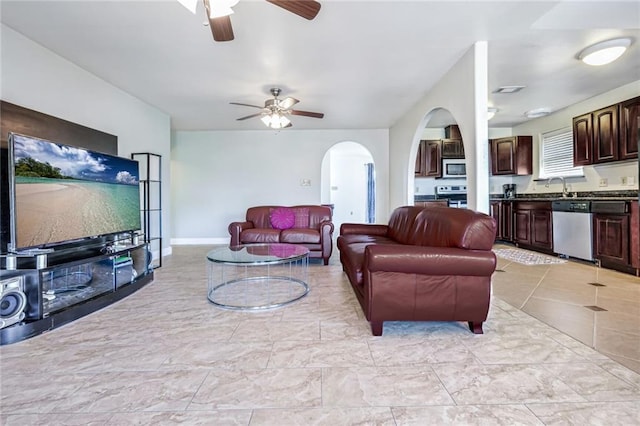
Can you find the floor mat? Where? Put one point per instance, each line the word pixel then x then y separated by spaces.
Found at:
pixel 527 257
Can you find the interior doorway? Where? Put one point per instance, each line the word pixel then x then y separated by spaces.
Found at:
pixel 348 183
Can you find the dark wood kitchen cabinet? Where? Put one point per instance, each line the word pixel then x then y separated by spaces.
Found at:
pixel 611 239
pixel 533 225
pixel 608 134
pixel 428 159
pixel 511 155
pixel 605 134
pixel 452 148
pixel 629 128
pixel 502 212
pixel 582 140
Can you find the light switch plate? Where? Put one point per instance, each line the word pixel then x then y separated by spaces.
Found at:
pixel 604 182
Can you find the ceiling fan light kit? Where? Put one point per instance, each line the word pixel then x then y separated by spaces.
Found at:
pixel 604 52
pixel 219 12
pixel 275 111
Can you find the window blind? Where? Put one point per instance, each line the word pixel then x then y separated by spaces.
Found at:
pixel 556 158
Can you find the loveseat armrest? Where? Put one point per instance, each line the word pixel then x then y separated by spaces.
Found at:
pixel 326 239
pixel 429 260
pixel 363 229
pixel 235 229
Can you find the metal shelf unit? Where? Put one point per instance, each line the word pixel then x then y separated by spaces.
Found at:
pixel 151 202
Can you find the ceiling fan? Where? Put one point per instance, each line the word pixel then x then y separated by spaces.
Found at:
pixel 275 111
pixel 219 11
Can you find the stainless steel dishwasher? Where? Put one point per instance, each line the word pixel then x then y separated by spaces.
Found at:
pixel 573 228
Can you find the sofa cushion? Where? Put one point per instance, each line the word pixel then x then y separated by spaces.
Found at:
pixel 298 236
pixel 401 223
pixel 461 228
pixel 282 218
pixel 301 217
pixel 260 235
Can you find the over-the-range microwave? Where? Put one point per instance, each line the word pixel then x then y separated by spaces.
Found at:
pixel 454 168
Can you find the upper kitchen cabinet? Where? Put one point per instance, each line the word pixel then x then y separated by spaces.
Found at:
pixel 512 155
pixel 582 140
pixel 629 128
pixel 608 134
pixel 428 159
pixel 452 146
pixel 605 134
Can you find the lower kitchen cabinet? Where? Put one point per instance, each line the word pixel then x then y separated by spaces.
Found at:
pixel 533 225
pixel 611 239
pixel 502 212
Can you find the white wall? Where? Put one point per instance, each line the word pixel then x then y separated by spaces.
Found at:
pixel 563 118
pixel 217 175
pixel 36 78
pixel 463 92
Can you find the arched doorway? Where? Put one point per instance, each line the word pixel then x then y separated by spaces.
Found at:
pixel 440 131
pixel 348 183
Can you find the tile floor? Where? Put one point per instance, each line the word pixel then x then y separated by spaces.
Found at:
pixel 165 355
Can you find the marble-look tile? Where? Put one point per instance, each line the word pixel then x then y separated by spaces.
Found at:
pixel 506 415
pixel 589 413
pixel 402 352
pixel 264 388
pixel 135 391
pixel 620 372
pixel 341 330
pixel 497 350
pixel 55 419
pixel 38 393
pixel 270 331
pixel 382 386
pixel 191 418
pixel 575 320
pixel 503 384
pixel 219 355
pixel 345 353
pixel 594 383
pixel 378 416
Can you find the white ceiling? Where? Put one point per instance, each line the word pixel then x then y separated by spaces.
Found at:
pixel 362 63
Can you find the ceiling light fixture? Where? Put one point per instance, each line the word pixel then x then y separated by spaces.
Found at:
pixel 604 52
pixel 217 8
pixel 509 89
pixel 275 120
pixel 537 113
pixel 491 112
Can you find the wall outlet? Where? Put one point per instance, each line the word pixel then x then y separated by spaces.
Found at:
pixel 604 182
pixel 305 182
pixel 624 180
pixel 631 180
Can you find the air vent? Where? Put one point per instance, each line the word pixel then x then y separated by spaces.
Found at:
pixel 508 89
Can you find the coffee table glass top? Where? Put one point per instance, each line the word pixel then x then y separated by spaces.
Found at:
pixel 255 254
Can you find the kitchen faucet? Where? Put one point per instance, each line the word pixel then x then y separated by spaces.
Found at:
pixel 565 193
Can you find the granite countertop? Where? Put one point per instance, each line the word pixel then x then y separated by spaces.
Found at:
pixel 552 196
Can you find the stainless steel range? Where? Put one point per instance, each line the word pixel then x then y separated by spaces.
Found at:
pixel 456 194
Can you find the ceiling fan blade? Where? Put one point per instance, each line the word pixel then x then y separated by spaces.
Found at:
pixel 288 102
pixel 307 113
pixel 220 27
pixel 307 9
pixel 249 116
pixel 252 106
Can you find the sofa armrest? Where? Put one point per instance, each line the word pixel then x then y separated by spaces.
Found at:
pixel 235 229
pixel 429 260
pixel 326 238
pixel 363 229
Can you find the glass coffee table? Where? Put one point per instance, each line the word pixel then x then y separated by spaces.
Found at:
pixel 257 276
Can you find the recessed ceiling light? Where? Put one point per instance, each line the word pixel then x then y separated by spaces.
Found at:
pixel 509 89
pixel 538 112
pixel 604 52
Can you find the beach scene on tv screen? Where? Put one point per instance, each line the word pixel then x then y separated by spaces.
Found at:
pixel 66 193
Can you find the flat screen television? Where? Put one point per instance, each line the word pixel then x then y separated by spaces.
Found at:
pixel 61 193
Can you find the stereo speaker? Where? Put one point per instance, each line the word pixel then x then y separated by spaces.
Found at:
pixel 13 301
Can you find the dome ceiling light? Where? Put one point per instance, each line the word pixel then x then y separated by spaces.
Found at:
pixel 604 52
pixel 537 113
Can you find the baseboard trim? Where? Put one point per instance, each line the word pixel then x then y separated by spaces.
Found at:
pixel 199 241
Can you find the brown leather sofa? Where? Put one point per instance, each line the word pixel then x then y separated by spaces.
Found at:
pixel 316 235
pixel 427 264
